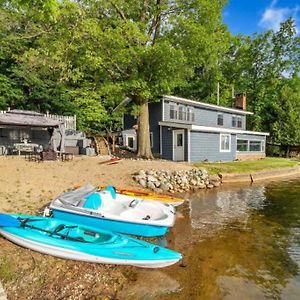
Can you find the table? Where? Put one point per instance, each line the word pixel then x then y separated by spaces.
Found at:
pixel 22 147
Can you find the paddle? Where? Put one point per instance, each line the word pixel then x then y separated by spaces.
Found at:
pixel 9 221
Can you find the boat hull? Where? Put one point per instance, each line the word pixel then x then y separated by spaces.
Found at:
pixel 75 255
pixel 112 225
pixel 85 243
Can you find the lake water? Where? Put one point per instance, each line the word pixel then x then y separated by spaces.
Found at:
pixel 238 243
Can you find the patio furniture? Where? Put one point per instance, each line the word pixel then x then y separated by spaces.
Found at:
pixel 24 147
pixel 66 156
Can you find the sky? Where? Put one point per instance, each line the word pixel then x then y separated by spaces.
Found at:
pixel 250 16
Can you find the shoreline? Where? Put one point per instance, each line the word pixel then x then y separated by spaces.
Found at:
pixel 228 178
pixel 25 187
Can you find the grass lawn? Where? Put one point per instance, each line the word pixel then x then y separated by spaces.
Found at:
pixel 248 166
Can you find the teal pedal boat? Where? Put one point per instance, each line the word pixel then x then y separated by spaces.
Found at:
pixel 79 242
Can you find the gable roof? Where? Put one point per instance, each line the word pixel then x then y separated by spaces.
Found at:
pixel 207 105
pixel 26 118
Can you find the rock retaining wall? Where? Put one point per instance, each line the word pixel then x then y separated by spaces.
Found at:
pixel 176 181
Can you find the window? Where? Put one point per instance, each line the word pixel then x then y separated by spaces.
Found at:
pixel 242 145
pixel 239 122
pixel 220 120
pixel 179 140
pixel 130 142
pixel 151 139
pixel 4 132
pixel 255 146
pixel 190 116
pixel 250 146
pixel 225 141
pixel 182 113
pixel 233 121
pixel 173 111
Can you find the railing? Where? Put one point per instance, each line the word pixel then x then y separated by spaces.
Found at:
pixel 69 121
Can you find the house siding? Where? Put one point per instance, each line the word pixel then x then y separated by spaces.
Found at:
pixel 155 115
pixel 205 117
pixel 167 143
pixel 206 146
pixel 129 121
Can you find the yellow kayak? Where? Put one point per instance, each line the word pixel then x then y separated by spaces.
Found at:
pixel 148 196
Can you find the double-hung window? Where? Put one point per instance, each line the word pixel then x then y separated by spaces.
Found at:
pixel 182 113
pixel 190 115
pixel 225 142
pixel 233 121
pixel 220 120
pixel 239 122
pixel 173 111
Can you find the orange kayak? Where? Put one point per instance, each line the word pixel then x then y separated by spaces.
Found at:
pixel 149 196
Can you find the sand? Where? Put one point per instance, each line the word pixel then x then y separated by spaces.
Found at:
pixel 27 186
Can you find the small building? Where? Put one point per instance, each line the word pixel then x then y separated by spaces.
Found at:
pixel 187 130
pixel 24 131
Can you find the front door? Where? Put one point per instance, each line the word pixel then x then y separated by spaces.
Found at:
pixel 178 145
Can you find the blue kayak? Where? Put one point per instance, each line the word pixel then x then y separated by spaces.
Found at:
pixel 71 241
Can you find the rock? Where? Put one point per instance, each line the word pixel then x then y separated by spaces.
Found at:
pixel 142 173
pixel 201 186
pixel 193 182
pixel 214 178
pixel 150 172
pixel 151 185
pixel 157 190
pixel 142 182
pixel 151 178
pixel 157 183
pixel 215 183
pixel 164 187
pixel 209 186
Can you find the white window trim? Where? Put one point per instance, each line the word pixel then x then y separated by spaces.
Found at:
pixel 176 110
pixel 134 140
pixel 184 112
pixel 175 141
pixel 262 142
pixel 221 135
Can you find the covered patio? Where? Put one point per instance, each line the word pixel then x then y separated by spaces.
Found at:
pixel 23 132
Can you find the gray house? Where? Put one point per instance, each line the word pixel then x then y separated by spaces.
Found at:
pixel 187 130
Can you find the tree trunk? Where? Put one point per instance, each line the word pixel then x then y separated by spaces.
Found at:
pixel 144 147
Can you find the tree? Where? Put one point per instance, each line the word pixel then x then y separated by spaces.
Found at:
pixel 286 126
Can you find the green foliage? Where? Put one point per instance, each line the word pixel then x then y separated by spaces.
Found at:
pixel 86 57
pixel 249 166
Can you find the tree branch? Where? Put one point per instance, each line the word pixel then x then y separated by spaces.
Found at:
pixel 120 12
pixel 144 11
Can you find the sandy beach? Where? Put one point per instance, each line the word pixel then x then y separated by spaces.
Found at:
pixel 26 187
